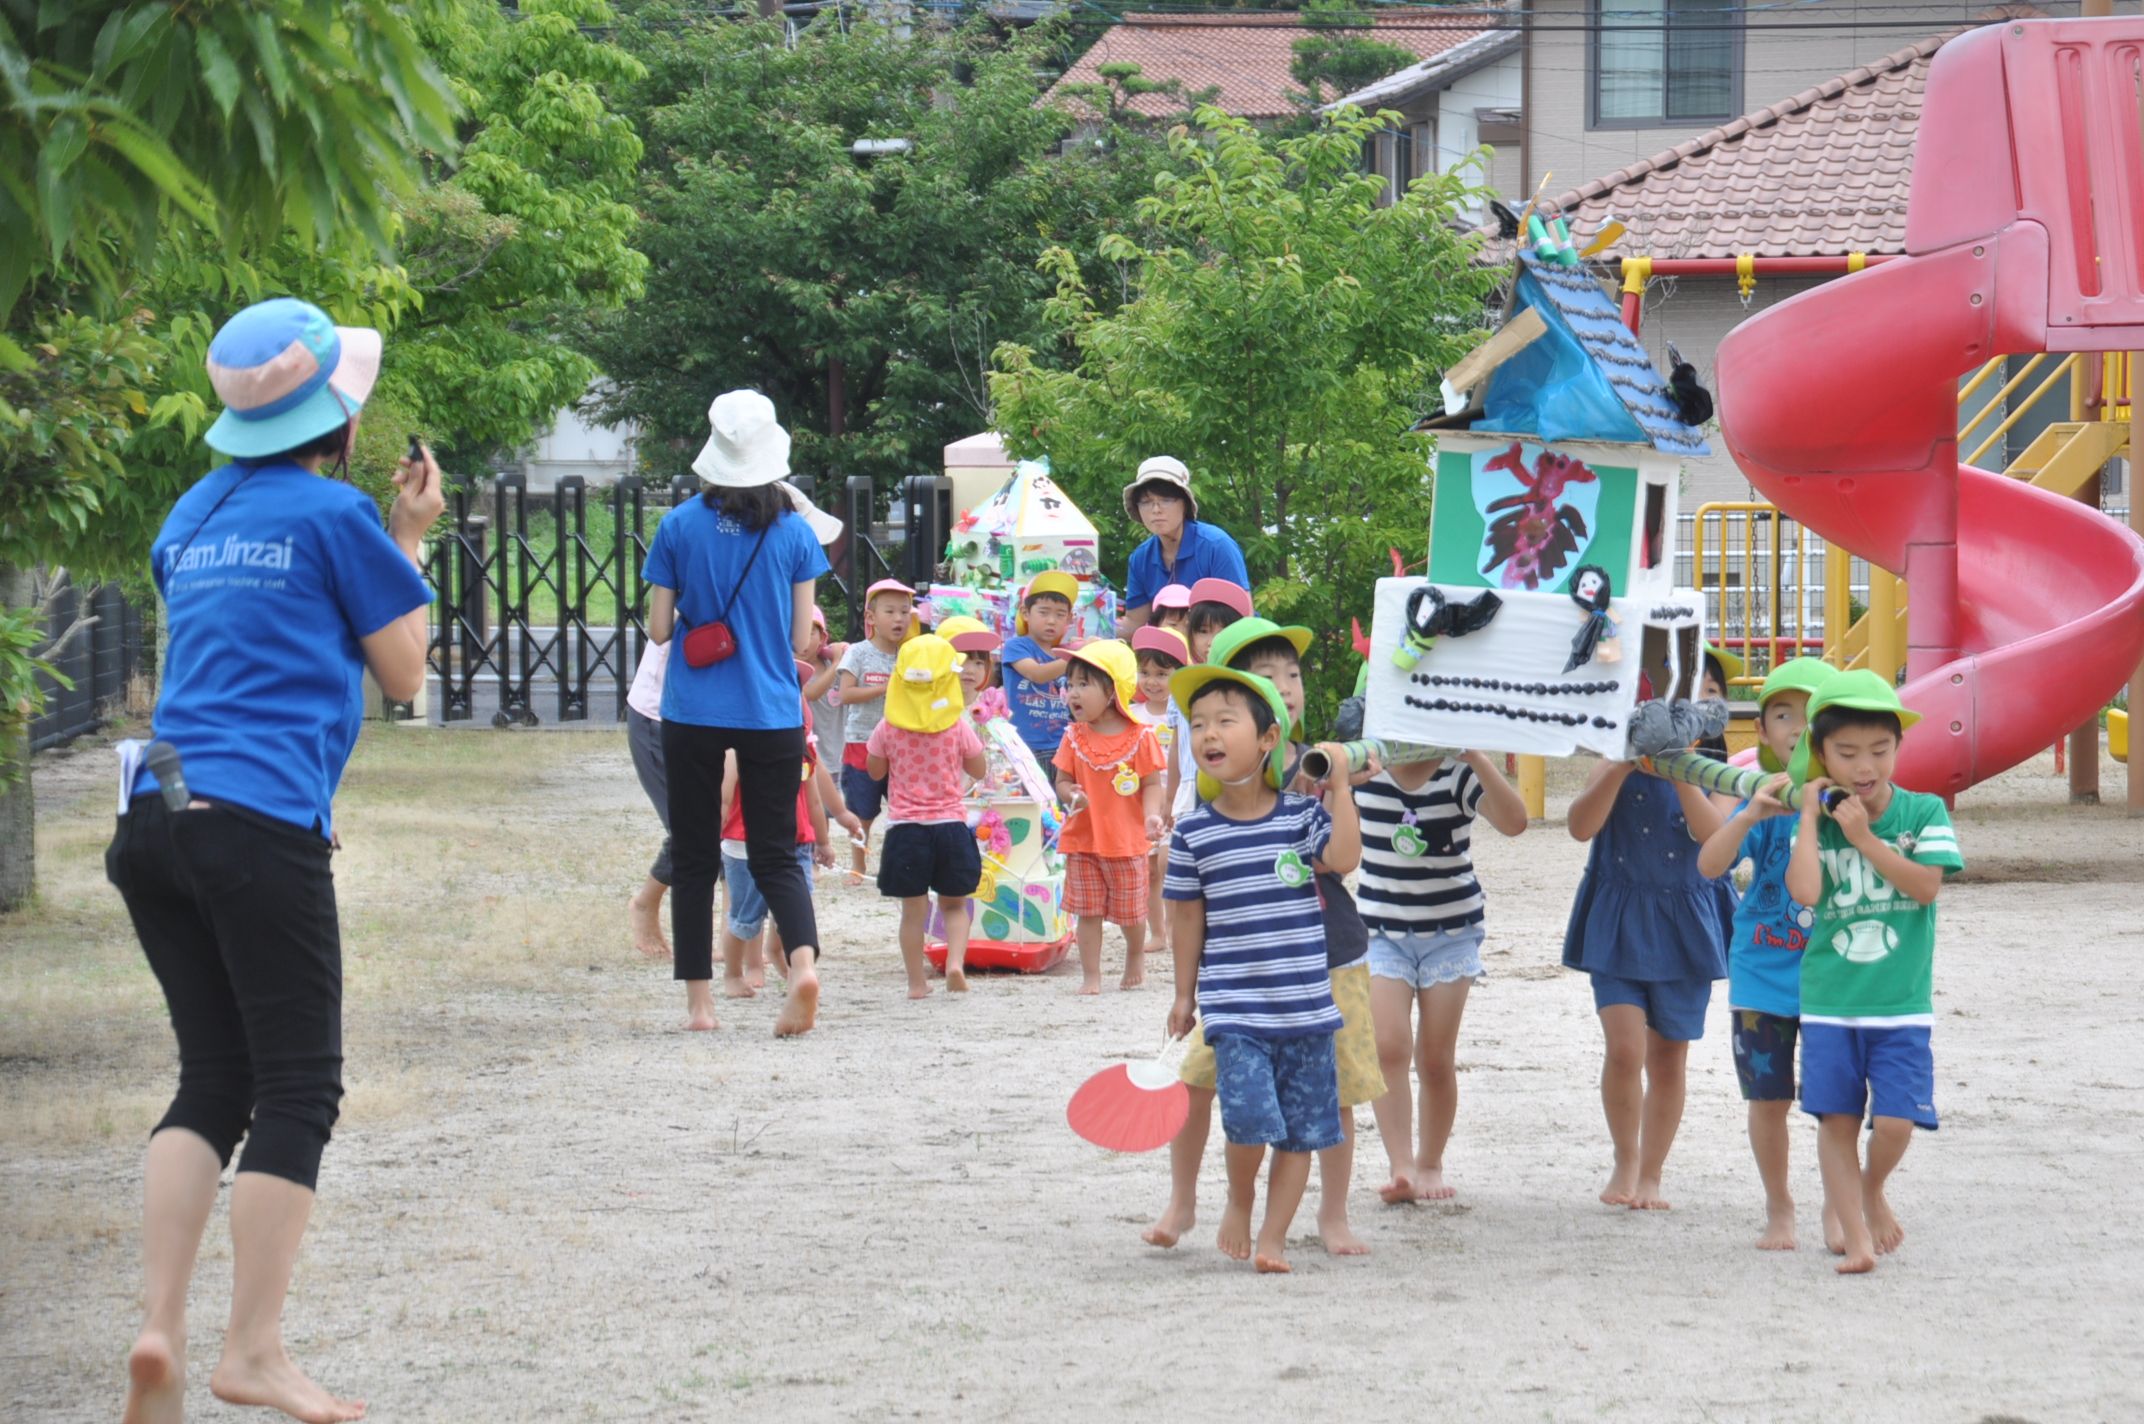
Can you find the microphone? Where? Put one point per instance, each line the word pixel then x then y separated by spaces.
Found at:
pixel 162 759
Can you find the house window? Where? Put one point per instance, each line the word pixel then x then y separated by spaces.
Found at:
pixel 1659 63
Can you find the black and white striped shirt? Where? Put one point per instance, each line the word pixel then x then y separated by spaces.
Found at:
pixel 1417 868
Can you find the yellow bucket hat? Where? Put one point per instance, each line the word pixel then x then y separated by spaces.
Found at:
pixel 1184 685
pixel 1055 581
pixel 1118 663
pixel 924 694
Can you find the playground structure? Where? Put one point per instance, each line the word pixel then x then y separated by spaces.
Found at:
pixel 1841 404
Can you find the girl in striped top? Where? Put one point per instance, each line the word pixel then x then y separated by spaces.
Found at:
pixel 1423 908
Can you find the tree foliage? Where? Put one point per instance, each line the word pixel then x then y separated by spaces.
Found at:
pixel 1284 335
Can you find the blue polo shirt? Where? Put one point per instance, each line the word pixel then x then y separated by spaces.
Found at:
pixel 271 575
pixel 1205 552
pixel 701 553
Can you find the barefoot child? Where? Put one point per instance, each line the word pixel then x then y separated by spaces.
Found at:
pixel 1871 869
pixel 1034 666
pixel 1764 945
pixel 1651 932
pixel 825 662
pixel 1250 948
pixel 1161 652
pixel 1172 606
pixel 979 681
pixel 1259 647
pixel 1218 604
pixel 644 739
pixel 1424 910
pixel 920 751
pixel 1109 777
pixel 860 692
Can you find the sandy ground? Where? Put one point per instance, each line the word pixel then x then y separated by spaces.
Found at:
pixel 544 1203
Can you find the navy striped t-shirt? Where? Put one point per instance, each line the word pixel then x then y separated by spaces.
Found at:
pixel 1417 864
pixel 1263 971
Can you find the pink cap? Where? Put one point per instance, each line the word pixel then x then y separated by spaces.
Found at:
pixel 1161 640
pixel 818 616
pixel 1173 595
pixel 1213 590
pixel 981 641
pixel 887 585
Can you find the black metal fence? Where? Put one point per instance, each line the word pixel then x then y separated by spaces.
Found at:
pixel 100 660
pixel 542 612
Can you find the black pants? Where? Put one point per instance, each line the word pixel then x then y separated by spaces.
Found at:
pixel 236 913
pixel 768 764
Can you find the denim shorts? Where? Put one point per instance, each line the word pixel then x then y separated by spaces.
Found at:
pixel 1889 1072
pixel 1427 959
pixel 1674 1008
pixel 1282 1092
pixel 748 908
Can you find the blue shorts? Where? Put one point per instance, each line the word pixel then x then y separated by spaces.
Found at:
pixel 929 857
pixel 1278 1092
pixel 1674 1008
pixel 862 793
pixel 1764 1054
pixel 1888 1072
pixel 748 908
pixel 1425 960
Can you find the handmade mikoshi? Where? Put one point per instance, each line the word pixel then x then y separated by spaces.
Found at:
pixel 1019 921
pixel 1028 527
pixel 1549 607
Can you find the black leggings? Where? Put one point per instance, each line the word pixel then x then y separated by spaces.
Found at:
pixel 768 764
pixel 236 913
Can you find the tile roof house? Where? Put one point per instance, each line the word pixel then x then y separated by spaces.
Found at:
pixel 1244 57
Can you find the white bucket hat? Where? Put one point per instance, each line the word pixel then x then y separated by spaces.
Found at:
pixel 824 527
pixel 746 446
pixel 1166 471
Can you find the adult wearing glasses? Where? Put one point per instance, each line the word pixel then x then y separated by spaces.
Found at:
pixel 1178 548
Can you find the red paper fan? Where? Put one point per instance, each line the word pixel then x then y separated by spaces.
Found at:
pixel 1130 1107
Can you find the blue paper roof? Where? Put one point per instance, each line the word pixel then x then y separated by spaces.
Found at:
pixel 1586 377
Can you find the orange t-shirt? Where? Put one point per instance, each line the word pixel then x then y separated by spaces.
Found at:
pixel 1107 771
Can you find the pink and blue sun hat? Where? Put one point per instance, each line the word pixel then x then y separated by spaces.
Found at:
pixel 287 374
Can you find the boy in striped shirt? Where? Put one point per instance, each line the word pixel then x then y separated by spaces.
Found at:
pixel 1249 944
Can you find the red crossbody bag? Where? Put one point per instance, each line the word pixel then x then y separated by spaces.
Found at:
pixel 709 643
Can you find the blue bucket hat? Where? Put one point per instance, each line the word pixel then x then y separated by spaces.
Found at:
pixel 287 374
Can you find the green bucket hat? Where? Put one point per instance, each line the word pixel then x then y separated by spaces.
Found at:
pixel 1793 675
pixel 1232 640
pixel 1730 665
pixel 1185 683
pixel 1861 688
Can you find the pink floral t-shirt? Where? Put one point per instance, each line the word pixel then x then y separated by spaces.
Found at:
pixel 923 770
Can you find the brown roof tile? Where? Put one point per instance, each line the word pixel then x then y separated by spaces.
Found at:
pixel 1825 172
pixel 1246 56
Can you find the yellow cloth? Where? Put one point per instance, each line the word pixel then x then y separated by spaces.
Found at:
pixel 924 692
pixel 1355 1045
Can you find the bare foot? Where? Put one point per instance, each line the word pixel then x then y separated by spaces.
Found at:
pixel 1778 1229
pixel 919 991
pixel 1272 1263
pixel 1647 1197
pixel 1622 1188
pixel 801 1009
pixel 278 1384
pixel 755 980
pixel 956 982
pixel 1234 1238
pixel 1856 1261
pixel 1834 1233
pixel 646 924
pixel 1883 1224
pixel 1170 1226
pixel 1090 986
pixel 1338 1238
pixel 156 1387
pixel 1429 1184
pixel 737 989
pixel 1132 980
pixel 1399 1189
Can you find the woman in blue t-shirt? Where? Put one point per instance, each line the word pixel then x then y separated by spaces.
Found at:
pixel 733 573
pixel 1178 548
pixel 280 589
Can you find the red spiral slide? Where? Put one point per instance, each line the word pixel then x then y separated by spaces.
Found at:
pixel 2024 232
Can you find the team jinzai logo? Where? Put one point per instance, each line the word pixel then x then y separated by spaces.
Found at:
pixel 232 553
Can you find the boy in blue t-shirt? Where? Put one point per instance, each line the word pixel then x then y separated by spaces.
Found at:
pixel 1249 941
pixel 1764 947
pixel 1033 673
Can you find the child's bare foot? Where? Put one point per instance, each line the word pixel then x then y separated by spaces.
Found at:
pixel 1170 1226
pixel 276 1383
pixel 1429 1184
pixel 919 991
pixel 1234 1238
pixel 1090 986
pixel 1399 1190
pixel 1272 1257
pixel 1647 1196
pixel 1778 1229
pixel 1883 1224
pixel 699 1007
pixel 1338 1238
pixel 956 982
pixel 737 988
pixel 755 980
pixel 156 1387
pixel 646 922
pixel 1858 1259
pixel 1133 979
pixel 800 1010
pixel 1622 1188
pixel 1834 1233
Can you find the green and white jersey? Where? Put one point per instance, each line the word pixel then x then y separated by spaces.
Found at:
pixel 1871 953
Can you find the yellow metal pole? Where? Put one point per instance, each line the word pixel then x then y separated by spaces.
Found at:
pixel 1838 601
pixel 2136 522
pixel 1533 786
pixel 1885 653
pixel 2086 395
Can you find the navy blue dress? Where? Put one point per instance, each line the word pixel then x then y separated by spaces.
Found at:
pixel 1643 911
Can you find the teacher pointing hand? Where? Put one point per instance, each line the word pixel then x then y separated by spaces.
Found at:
pixel 1178 549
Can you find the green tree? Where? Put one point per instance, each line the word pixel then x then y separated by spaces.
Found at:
pixel 1342 55
pixel 1284 334
pixel 862 291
